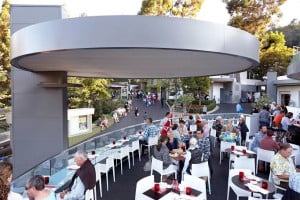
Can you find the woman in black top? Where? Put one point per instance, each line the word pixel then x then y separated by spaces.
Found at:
pixel 172 141
pixel 243 129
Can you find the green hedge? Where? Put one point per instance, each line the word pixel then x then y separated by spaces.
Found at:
pixel 210 107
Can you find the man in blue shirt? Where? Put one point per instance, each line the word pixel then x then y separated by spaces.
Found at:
pixel 258 136
pixel 150 131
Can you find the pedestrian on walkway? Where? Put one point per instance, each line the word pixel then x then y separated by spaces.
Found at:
pixel 136 112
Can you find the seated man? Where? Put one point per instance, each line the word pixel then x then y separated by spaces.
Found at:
pixel 82 180
pixel 35 188
pixel 193 156
pixel 203 144
pixel 267 143
pixel 150 131
pixel 258 137
pixel 282 166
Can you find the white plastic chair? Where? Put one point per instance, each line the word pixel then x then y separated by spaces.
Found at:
pixel 89 195
pixel 239 192
pixel 196 183
pixel 152 141
pixel 98 178
pixel 157 165
pixel 123 153
pixel 135 146
pixel 104 168
pixel 143 185
pixel 193 127
pixel 248 140
pixel 276 186
pixel 244 162
pixel 264 155
pixel 201 170
pixel 223 147
pixel 213 134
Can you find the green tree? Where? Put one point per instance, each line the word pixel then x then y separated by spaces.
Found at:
pixel 196 85
pixel 291 33
pixel 89 94
pixel 180 8
pixel 186 101
pixel 274 54
pixel 253 16
pixel 5 94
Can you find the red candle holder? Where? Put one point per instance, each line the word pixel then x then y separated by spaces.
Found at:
pixel 264 185
pixel 93 152
pixel 244 151
pixel 188 190
pixel 232 147
pixel 114 142
pixel 241 175
pixel 124 137
pixel 156 187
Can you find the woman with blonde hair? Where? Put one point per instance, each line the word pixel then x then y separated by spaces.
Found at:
pixel 6 170
pixel 229 127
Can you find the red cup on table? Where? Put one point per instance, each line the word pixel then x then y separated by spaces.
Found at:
pixel 232 147
pixel 140 132
pixel 124 137
pixel 244 151
pixel 241 175
pixel 46 180
pixel 188 190
pixel 156 187
pixel 114 142
pixel 93 152
pixel 264 185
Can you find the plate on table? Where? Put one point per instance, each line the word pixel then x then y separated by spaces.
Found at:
pixel 73 167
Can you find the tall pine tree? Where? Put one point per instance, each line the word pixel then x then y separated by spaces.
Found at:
pixel 5 92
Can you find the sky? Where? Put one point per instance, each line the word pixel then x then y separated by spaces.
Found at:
pixel 212 10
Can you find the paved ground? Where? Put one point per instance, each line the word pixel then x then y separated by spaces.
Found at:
pixel 155 111
pixel 230 108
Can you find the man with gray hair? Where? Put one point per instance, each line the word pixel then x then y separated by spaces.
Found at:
pixel 83 179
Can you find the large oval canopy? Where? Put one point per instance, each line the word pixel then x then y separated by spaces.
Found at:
pixel 134 47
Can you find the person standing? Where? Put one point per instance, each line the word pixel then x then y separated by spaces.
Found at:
pixel 82 180
pixel 243 129
pixel 264 116
pixel 239 108
pixel 165 123
pixel 136 112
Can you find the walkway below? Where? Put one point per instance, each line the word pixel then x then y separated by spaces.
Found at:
pixel 155 111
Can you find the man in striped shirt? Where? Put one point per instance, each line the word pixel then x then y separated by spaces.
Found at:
pixel 150 131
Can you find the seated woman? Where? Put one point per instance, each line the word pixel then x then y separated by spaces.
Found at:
pixel 229 127
pixel 193 156
pixel 161 152
pixel 172 141
pixel 282 165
